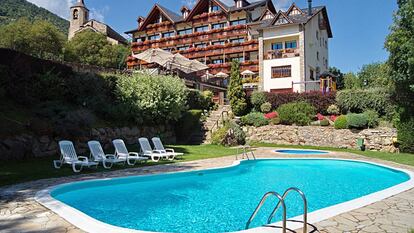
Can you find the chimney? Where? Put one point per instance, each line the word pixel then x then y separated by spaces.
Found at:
pixel 310 7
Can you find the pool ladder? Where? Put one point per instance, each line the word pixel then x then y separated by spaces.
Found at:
pixel 246 152
pixel 281 202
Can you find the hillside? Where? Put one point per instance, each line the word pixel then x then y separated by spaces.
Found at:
pixel 11 10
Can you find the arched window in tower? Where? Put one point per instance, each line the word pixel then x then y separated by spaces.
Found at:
pixel 75 14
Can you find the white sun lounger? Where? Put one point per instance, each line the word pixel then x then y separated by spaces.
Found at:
pixel 99 156
pixel 147 151
pixel 160 147
pixel 121 152
pixel 68 156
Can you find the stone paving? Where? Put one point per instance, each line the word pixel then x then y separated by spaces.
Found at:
pixel 19 212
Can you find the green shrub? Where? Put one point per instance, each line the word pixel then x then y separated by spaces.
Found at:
pixel 324 122
pixel 199 100
pixel 341 122
pixel 299 113
pixel 372 117
pixel 256 119
pixel 257 99
pixel 266 107
pixel 357 101
pixel 333 110
pixel 405 135
pixel 188 124
pixel 152 99
pixel 357 121
pixel 231 134
pixel 275 121
pixel 219 135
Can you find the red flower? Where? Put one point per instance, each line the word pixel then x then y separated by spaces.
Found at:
pixel 271 115
pixel 320 117
pixel 333 118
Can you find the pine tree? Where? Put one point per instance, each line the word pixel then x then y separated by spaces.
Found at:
pixel 236 94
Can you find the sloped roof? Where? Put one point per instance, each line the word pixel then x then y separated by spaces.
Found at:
pixel 298 19
pixel 111 33
pixel 171 14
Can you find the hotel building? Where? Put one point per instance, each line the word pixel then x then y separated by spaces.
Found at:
pixel 282 47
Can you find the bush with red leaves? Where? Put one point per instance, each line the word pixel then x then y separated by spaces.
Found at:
pixel 271 115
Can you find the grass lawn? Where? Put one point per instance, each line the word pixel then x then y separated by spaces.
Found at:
pixel 14 172
pixel 402 158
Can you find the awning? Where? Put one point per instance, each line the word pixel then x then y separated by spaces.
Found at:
pixel 221 75
pixel 248 72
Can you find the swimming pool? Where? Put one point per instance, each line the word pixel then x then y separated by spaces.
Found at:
pixel 302 152
pixel 217 200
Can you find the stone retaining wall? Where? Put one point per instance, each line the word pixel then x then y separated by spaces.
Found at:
pixel 380 139
pixel 29 146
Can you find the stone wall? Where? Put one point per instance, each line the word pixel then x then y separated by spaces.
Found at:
pixel 380 139
pixel 33 146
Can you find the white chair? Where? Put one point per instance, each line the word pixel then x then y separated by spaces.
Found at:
pixel 99 156
pixel 147 151
pixel 68 156
pixel 121 152
pixel 160 147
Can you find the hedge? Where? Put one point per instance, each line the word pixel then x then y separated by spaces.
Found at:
pixel 319 100
pixel 360 100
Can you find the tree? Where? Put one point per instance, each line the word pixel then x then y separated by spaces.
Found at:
pixel 400 44
pixel 375 75
pixel 40 38
pixel 351 81
pixel 339 77
pixel 89 47
pixel 236 94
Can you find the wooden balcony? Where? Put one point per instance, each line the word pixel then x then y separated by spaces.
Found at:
pixel 209 18
pixel 226 67
pixel 180 40
pixel 220 50
pixel 281 53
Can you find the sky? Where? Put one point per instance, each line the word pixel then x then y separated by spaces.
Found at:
pixel 359 26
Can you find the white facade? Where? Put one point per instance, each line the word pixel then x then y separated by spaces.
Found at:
pixel 293 55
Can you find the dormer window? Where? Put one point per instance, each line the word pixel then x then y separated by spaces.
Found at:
pixel 185 11
pixel 214 8
pixel 185 14
pixel 239 3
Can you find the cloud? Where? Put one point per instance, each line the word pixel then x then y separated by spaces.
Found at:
pixel 99 14
pixel 59 7
pixel 189 3
pixel 279 4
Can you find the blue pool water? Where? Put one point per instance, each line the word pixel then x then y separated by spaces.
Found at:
pixel 302 152
pixel 222 200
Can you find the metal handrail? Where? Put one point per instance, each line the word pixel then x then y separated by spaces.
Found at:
pixel 259 206
pixel 305 207
pixel 218 121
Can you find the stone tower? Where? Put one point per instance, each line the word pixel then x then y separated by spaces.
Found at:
pixel 79 15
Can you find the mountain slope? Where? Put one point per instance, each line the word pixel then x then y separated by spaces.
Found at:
pixel 11 10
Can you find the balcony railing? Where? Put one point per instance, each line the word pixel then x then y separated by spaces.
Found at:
pixel 281 53
pixel 219 50
pixel 215 34
pixel 226 67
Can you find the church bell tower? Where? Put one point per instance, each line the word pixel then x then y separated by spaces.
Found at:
pixel 79 15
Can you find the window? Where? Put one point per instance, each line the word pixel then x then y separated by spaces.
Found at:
pixel 238 22
pixel 202 45
pixel 217 61
pixel 75 14
pixel 154 37
pixel 326 43
pixel 214 8
pixel 168 34
pixel 239 59
pixel 312 75
pixel 317 56
pixel 317 35
pixel 277 46
pixel 291 44
pixel 218 25
pixel 182 48
pixel 185 31
pixel 238 40
pixel 218 43
pixel 202 28
pixel 281 71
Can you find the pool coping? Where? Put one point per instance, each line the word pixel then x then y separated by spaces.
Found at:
pixel 90 224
